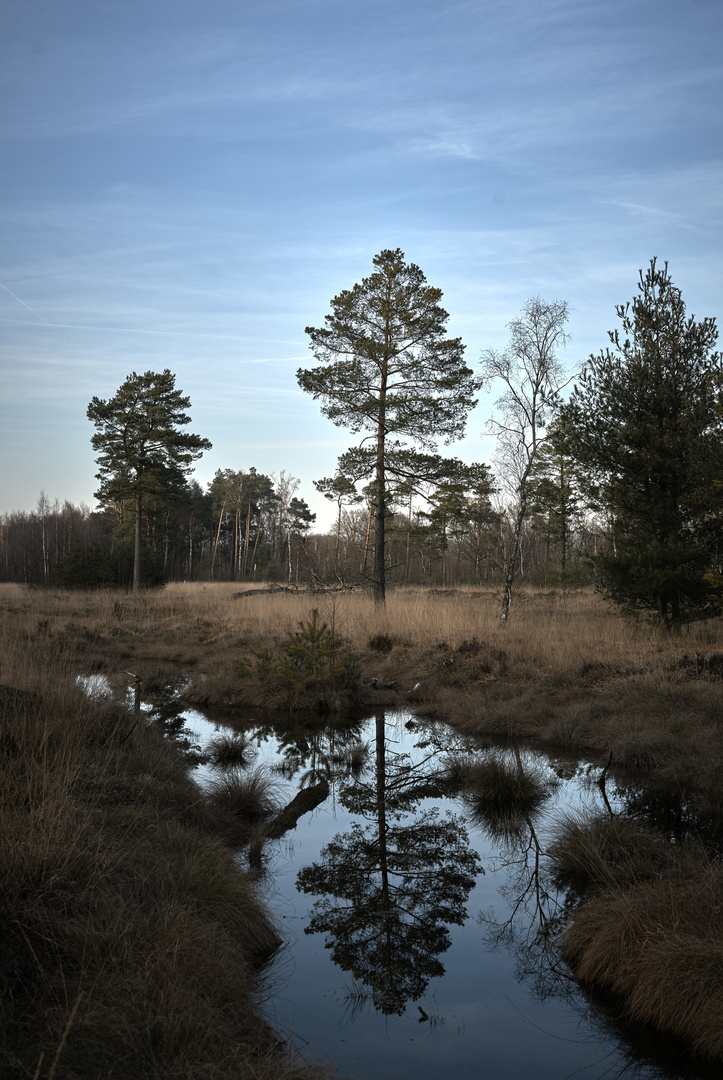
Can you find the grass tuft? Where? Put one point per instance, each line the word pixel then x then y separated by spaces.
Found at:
pixel 499 793
pixel 230 752
pixel 659 947
pixel 245 797
pixel 591 852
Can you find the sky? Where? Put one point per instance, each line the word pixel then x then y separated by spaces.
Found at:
pixel 186 185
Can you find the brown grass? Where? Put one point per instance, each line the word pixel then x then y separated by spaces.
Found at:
pixel 499 793
pixel 130 942
pixel 596 852
pixel 568 673
pixel 232 751
pixel 248 798
pixel 653 933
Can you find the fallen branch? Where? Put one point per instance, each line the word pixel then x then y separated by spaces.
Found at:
pixel 315 589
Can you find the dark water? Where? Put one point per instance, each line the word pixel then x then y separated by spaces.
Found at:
pixel 420 933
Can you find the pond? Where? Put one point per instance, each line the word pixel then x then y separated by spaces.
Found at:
pixel 420 924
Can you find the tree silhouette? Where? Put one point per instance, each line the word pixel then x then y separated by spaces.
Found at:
pixel 645 427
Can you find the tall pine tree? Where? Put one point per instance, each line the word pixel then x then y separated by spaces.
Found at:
pixel 386 368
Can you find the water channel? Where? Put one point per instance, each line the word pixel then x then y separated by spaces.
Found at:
pixel 420 929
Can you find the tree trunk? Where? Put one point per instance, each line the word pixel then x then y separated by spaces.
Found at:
pixel 363 566
pixel 409 540
pixel 338 535
pixel 379 574
pixel 247 535
pixel 381 805
pixel 258 534
pixel 510 568
pixel 137 552
pixel 215 546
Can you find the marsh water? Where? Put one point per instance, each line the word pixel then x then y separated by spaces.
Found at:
pixel 419 926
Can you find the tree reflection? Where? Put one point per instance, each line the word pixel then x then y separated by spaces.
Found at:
pixel 168 711
pixel 316 750
pixel 389 889
pixel 537 910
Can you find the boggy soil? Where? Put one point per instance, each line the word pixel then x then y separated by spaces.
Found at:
pixel 567 673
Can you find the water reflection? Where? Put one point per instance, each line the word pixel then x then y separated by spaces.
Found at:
pixel 389 895
pixel 389 890
pixel 167 711
pixel 536 908
pixel 158 699
pixel 313 751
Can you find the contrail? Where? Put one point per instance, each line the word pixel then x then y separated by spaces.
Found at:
pixel 37 316
pixel 172 333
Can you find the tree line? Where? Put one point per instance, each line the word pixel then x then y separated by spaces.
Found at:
pixel 621 483
pixel 639 442
pixel 243 526
pixel 220 535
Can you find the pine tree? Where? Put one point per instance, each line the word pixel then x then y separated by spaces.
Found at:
pixel 385 368
pixel 646 430
pixel 141 450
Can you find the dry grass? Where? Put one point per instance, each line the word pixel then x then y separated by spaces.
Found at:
pixel 568 673
pixel 500 794
pixel 231 751
pixel 130 943
pixel 593 853
pixel 653 931
pixel 193 618
pixel 249 797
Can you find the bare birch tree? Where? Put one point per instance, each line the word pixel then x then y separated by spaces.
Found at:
pixel 532 378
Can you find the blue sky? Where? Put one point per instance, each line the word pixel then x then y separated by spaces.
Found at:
pixel 186 185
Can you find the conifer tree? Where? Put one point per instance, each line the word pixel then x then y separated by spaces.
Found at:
pixel 645 427
pixel 386 368
pixel 141 449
